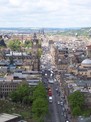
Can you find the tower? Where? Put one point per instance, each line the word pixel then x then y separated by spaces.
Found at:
pixel 88 51
pixel 35 58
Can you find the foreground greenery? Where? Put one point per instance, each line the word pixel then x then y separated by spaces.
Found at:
pixel 77 104
pixel 23 94
pixel 12 107
pixel 33 97
pixel 40 103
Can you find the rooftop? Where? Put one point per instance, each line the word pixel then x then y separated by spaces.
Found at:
pixel 6 117
pixel 86 62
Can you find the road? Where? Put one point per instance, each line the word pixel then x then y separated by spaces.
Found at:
pixel 57 111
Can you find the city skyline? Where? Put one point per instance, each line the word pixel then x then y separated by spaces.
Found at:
pixel 45 13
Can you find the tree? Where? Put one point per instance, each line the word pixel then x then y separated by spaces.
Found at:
pixel 39 91
pixel 14 45
pixel 40 109
pixel 76 101
pixel 28 44
pixel 76 111
pixel 40 102
pixel 22 94
pixel 39 52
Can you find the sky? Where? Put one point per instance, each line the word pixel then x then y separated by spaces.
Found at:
pixel 45 13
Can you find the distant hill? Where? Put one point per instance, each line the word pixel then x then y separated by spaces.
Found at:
pixel 64 31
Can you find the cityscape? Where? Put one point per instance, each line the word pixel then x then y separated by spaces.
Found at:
pixel 45 75
pixel 45 61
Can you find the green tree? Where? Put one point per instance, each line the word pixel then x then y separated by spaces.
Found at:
pixel 76 101
pixel 23 94
pixel 14 45
pixel 40 102
pixel 40 109
pixel 39 91
pixel 76 111
pixel 39 52
pixel 28 44
pixel 14 96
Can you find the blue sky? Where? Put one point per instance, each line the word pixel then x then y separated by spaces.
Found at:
pixel 45 13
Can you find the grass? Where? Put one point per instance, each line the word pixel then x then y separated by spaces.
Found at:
pixel 9 107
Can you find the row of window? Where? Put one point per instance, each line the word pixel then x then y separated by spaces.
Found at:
pixel 8 85
pixel 3 90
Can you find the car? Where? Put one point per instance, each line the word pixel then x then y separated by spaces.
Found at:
pixel 63 109
pixel 51 81
pixel 51 74
pixel 56 89
pixel 67 121
pixel 58 102
pixel 61 103
pixel 65 115
pixel 45 74
pixel 50 99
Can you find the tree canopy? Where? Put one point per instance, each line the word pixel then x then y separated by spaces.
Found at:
pixel 40 103
pixel 39 109
pixel 76 101
pixel 39 91
pixel 35 96
pixel 14 45
pixel 39 52
pixel 22 94
pixel 28 44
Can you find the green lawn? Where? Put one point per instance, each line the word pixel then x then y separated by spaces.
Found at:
pixel 9 107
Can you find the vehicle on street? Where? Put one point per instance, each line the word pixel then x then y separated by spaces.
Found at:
pixel 45 74
pixel 66 121
pixel 63 109
pixel 56 89
pixel 50 92
pixel 61 103
pixel 51 81
pixel 50 99
pixel 58 102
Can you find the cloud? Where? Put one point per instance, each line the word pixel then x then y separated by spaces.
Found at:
pixel 47 13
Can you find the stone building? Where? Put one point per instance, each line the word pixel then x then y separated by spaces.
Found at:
pixel 88 51
pixel 82 70
pixel 35 58
pixel 61 58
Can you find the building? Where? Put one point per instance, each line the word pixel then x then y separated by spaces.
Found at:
pixel 82 70
pixel 35 58
pixel 7 86
pixel 88 51
pixel 9 118
pixel 61 58
pixel 8 83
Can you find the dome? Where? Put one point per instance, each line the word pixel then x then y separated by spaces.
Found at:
pixel 86 62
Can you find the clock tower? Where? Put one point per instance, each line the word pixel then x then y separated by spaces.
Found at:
pixel 35 58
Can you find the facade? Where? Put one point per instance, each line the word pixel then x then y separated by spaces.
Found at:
pixel 61 58
pixel 7 86
pixel 88 51
pixel 35 58
pixel 82 70
pixel 8 83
